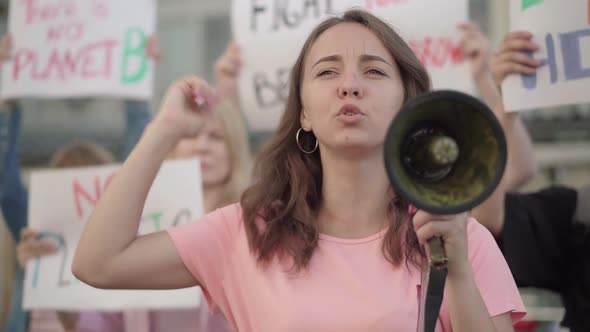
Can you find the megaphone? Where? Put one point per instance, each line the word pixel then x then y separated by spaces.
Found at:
pixel 445 153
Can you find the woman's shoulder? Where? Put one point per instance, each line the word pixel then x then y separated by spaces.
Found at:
pixel 477 231
pixel 228 218
pixel 224 222
pixel 481 244
pixel 479 238
pixel 232 211
pixel 231 215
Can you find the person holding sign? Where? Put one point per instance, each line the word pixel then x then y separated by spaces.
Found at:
pixel 222 147
pixel 30 246
pixel 488 72
pixel 13 195
pixel 320 231
pixel 544 234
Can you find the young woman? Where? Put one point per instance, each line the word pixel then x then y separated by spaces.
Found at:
pixel 319 242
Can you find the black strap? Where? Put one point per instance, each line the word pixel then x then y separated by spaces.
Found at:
pixel 434 297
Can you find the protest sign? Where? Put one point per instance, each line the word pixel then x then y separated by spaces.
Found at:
pixel 61 202
pixel 78 48
pixel 270 34
pixel 562 31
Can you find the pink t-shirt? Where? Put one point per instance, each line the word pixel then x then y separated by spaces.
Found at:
pixel 348 285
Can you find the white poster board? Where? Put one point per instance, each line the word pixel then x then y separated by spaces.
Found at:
pixel 271 33
pixel 61 202
pixel 562 30
pixel 78 48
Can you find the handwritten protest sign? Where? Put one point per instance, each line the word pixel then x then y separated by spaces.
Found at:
pixel 72 48
pixel 562 31
pixel 61 202
pixel 271 33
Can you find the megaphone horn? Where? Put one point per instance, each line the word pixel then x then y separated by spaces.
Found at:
pixel 445 153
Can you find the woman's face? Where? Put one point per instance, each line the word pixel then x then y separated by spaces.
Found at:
pixel 211 147
pixel 351 89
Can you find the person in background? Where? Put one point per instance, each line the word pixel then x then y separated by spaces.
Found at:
pixel 13 195
pixel 223 152
pixel 521 164
pixel 75 154
pixel 544 235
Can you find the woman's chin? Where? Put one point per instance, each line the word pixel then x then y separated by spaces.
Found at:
pixel 357 145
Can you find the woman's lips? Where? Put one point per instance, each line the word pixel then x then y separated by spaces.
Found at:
pixel 350 114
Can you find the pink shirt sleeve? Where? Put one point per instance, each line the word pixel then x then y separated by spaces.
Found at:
pixel 205 246
pixel 492 275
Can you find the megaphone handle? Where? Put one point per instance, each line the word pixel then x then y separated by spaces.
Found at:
pixel 435 249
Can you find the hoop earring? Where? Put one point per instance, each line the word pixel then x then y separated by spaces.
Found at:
pixel 299 144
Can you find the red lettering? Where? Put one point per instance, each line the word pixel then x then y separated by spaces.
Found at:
pixel 80 193
pixel 369 4
pixel 87 71
pixel 92 61
pixel 437 52
pixel 38 13
pixel 54 33
pixel 456 52
pixel 69 63
pixel 31 11
pixel 109 50
pixel 107 57
pixel 71 31
pixel 53 63
pixel 22 59
pixel 109 179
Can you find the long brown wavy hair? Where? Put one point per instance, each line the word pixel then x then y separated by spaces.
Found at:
pixel 280 209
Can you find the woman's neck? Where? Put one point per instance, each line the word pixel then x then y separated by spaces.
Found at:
pixel 355 196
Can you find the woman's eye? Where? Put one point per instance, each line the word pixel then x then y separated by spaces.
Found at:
pixel 375 72
pixel 326 72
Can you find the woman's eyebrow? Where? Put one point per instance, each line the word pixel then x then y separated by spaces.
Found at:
pixel 364 58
